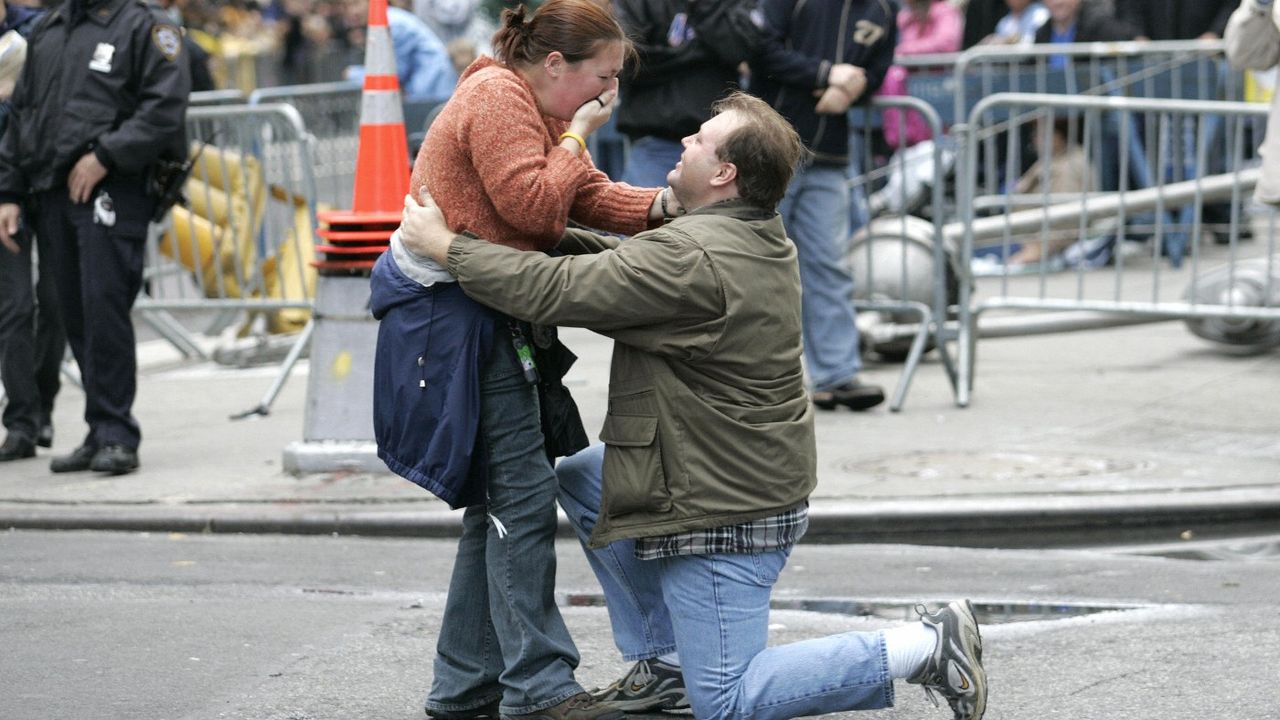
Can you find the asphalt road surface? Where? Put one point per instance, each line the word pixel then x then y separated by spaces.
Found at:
pixel 166 627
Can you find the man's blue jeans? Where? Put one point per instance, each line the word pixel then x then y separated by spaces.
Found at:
pixel 502 635
pixel 815 213
pixel 716 607
pixel 649 161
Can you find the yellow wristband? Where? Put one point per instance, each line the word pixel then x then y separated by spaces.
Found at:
pixel 581 140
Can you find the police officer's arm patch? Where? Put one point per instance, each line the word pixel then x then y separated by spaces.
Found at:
pixel 168 40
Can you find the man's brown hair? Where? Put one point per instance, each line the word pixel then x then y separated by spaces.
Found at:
pixel 764 147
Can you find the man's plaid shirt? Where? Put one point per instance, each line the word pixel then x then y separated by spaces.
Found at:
pixel 778 532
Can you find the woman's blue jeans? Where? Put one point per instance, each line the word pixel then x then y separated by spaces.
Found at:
pixel 502 635
pixel 716 607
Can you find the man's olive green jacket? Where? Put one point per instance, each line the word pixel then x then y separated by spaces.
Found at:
pixel 708 421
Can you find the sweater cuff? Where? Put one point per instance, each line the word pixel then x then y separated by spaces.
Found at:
pixel 629 202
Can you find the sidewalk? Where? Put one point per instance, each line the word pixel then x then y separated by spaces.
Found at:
pixel 1147 429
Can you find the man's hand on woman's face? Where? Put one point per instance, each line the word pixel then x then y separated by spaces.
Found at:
pixel 423 230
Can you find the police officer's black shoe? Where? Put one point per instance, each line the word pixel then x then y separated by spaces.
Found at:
pixel 77 461
pixel 114 459
pixel 17 447
pixel 855 395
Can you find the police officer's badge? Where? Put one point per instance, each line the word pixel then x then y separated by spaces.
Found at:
pixel 168 40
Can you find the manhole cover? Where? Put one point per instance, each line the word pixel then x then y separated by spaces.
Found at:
pixel 1003 466
pixel 989 613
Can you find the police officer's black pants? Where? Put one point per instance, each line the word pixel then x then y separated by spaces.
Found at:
pixel 32 342
pixel 98 272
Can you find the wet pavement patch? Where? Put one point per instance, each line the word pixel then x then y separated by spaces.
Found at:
pixel 989 613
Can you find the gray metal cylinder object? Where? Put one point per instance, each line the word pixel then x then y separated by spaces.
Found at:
pixel 1254 283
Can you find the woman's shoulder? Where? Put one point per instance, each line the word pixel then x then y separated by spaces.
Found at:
pixel 490 79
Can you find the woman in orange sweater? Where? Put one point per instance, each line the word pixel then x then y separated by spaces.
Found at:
pixel 506 160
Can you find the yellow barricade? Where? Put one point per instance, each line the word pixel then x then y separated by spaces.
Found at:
pixel 215 236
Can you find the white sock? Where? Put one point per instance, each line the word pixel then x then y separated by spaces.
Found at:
pixel 909 648
pixel 672 658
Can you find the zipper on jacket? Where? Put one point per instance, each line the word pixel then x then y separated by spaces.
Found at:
pixel 839 58
pixel 426 343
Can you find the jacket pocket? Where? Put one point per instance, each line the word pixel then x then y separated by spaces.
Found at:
pixel 81 123
pixel 634 477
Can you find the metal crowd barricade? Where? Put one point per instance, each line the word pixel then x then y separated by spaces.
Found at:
pixel 1114 268
pixel 215 97
pixel 241 244
pixel 1185 70
pixel 1182 69
pixel 902 270
pixel 332 112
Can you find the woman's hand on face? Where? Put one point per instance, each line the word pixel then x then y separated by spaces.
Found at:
pixel 594 112
pixel 423 230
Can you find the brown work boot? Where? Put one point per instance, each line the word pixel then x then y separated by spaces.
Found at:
pixel 579 707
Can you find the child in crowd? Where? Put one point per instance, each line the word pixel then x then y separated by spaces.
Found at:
pixel 1066 171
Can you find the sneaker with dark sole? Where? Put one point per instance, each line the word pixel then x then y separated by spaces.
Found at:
pixel 650 685
pixel 488 711
pixel 855 395
pixel 579 707
pixel 955 671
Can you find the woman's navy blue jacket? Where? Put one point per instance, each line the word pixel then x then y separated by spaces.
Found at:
pixel 432 343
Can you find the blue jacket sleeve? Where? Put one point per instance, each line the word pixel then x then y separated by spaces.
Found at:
pixel 422 62
pixel 878 58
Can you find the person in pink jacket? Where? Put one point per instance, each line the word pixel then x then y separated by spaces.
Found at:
pixel 925 27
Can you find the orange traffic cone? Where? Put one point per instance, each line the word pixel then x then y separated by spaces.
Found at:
pixel 382 163
pixel 357 237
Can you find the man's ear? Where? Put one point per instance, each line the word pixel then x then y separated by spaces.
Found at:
pixel 728 173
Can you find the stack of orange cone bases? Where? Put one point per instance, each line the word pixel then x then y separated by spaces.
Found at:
pixel 355 238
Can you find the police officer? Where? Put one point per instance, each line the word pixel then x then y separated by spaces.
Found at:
pixel 101 103
pixel 31 339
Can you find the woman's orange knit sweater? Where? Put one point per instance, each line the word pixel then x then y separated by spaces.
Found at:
pixel 493 164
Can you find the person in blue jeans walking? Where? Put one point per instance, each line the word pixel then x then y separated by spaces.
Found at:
pixel 692 505
pixel 818 57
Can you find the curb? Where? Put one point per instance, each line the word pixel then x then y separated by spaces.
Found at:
pixel 1024 522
